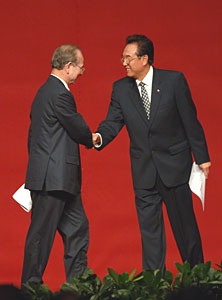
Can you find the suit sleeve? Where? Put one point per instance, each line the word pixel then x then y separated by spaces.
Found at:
pixel 30 134
pixel 29 138
pixel 114 122
pixel 192 126
pixel 72 121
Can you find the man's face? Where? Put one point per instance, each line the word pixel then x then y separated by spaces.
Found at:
pixel 76 70
pixel 135 65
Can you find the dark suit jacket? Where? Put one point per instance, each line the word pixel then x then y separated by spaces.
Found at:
pixel 164 143
pixel 55 133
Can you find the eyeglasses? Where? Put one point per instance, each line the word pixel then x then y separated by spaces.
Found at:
pixel 128 59
pixel 82 68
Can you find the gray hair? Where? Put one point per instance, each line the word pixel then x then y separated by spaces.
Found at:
pixel 64 54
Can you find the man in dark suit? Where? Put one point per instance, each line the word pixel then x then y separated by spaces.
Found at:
pixel 160 117
pixel 54 170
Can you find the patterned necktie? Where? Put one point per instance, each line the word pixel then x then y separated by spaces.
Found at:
pixel 145 98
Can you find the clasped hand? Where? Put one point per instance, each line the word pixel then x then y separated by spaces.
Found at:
pixel 96 139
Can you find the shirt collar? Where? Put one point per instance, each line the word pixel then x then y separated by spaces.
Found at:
pixel 148 79
pixel 65 84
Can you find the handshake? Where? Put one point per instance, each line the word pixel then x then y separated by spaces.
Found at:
pixel 96 139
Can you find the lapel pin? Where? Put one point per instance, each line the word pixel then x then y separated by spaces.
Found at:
pixel 158 90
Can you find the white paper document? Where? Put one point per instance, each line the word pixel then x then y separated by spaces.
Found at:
pixel 197 182
pixel 23 197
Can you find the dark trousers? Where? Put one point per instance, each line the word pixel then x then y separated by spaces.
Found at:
pixel 179 205
pixel 53 211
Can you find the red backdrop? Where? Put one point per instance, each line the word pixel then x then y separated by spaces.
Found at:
pixel 187 37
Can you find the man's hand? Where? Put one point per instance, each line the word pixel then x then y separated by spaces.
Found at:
pixel 95 139
pixel 205 167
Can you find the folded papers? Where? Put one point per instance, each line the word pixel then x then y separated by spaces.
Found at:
pixel 197 182
pixel 23 197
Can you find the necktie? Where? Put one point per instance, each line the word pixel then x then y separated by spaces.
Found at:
pixel 145 98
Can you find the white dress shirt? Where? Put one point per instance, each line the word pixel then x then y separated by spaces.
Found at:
pixel 147 80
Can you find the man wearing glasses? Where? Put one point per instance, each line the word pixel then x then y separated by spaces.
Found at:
pixel 54 170
pixel 157 108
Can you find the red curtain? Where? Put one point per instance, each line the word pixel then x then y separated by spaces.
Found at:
pixel 187 37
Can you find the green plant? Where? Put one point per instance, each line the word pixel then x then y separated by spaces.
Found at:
pixel 153 286
pixel 85 285
pixel 201 276
pixel 147 285
pixel 118 286
pixel 36 291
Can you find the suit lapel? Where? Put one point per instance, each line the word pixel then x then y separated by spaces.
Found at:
pixel 156 94
pixel 137 101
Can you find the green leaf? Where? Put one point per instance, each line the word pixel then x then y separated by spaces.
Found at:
pixel 148 277
pixel 164 286
pixel 186 267
pixel 177 282
pixel 215 282
pixel 179 267
pixel 69 287
pixel 123 293
pixel 212 273
pixel 218 275
pixel 107 277
pixel 201 270
pixel 132 274
pixel 94 297
pixel 37 291
pixel 114 275
pixel 186 280
pixel 157 277
pixel 123 278
pixel 107 285
pixel 220 266
pixel 169 277
pixel 86 274
pixel 28 288
pixel 207 266
pixel 138 278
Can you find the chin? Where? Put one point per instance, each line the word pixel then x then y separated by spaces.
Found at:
pixel 130 74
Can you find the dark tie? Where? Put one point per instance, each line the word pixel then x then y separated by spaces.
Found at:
pixel 145 98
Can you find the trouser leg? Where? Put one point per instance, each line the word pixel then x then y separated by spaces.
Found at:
pixel 46 212
pixel 74 229
pixel 179 205
pixel 150 217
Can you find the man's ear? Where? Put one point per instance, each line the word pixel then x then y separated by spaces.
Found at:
pixel 67 67
pixel 145 59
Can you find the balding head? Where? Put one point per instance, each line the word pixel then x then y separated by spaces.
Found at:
pixel 64 54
